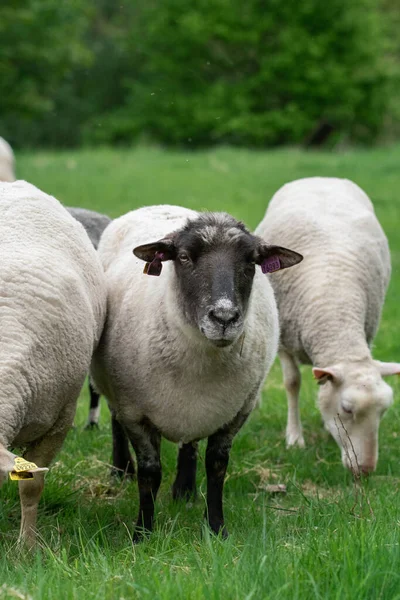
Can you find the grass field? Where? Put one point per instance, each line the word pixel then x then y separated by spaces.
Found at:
pixel 326 538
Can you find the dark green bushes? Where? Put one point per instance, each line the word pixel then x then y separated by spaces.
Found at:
pixel 254 73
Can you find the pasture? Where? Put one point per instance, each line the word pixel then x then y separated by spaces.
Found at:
pixel 327 537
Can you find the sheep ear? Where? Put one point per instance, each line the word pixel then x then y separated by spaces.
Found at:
pixel 154 254
pixel 328 374
pixel 386 369
pixel 164 249
pixel 275 258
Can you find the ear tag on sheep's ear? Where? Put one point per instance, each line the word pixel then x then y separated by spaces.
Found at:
pixel 155 266
pixel 270 264
pixel 24 469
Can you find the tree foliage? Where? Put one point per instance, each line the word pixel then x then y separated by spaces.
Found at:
pixel 258 73
pixel 40 45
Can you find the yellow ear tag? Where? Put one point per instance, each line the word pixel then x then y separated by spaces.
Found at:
pixel 24 469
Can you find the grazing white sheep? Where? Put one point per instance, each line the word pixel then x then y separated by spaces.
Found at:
pixel 94 224
pixel 6 161
pixel 184 355
pixel 330 309
pixel 52 311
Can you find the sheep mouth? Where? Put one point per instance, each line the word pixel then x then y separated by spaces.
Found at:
pixel 222 343
pixel 219 342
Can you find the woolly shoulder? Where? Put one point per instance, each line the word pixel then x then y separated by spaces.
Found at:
pixel 36 224
pixel 329 188
pixel 23 200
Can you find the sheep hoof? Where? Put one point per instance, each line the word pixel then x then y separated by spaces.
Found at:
pixel 91 425
pixel 223 533
pixel 128 473
pixel 186 493
pixel 220 532
pixel 218 529
pixel 295 439
pixel 140 535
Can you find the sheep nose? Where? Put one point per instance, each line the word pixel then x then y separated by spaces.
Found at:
pixel 224 316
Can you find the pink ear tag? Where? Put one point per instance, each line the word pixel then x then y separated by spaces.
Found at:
pixel 270 264
pixel 155 266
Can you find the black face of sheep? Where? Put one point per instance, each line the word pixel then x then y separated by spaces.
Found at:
pixel 215 258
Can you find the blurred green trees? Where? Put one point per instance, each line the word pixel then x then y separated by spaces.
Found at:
pixel 40 44
pixel 254 73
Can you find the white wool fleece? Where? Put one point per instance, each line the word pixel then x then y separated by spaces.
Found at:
pixel 150 363
pixel 52 311
pixel 330 307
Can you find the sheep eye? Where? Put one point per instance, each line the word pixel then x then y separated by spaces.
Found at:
pixel 348 411
pixel 183 257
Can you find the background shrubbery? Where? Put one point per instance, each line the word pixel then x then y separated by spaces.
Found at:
pixel 255 73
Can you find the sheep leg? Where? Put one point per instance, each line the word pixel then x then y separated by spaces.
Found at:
pixel 145 439
pixel 30 490
pixel 292 381
pixel 94 412
pixel 123 464
pixel 217 458
pixel 185 481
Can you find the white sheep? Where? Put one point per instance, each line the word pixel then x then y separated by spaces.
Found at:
pixel 6 161
pixel 184 355
pixel 330 309
pixel 52 311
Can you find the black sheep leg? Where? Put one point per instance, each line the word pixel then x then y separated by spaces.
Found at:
pixel 217 458
pixel 185 482
pixel 94 408
pixel 145 439
pixel 123 464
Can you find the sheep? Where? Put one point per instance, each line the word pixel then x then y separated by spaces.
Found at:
pixel 6 161
pixel 94 223
pixel 330 309
pixel 185 355
pixel 52 312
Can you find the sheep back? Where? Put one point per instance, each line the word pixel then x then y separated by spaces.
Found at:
pixel 337 292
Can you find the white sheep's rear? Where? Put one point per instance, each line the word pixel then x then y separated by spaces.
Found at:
pixel 52 310
pixel 330 307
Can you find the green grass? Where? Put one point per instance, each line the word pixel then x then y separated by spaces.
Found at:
pixel 323 539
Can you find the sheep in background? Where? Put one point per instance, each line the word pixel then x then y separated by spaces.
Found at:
pixel 123 464
pixel 6 161
pixel 52 312
pixel 330 309
pixel 185 355
pixel 94 223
